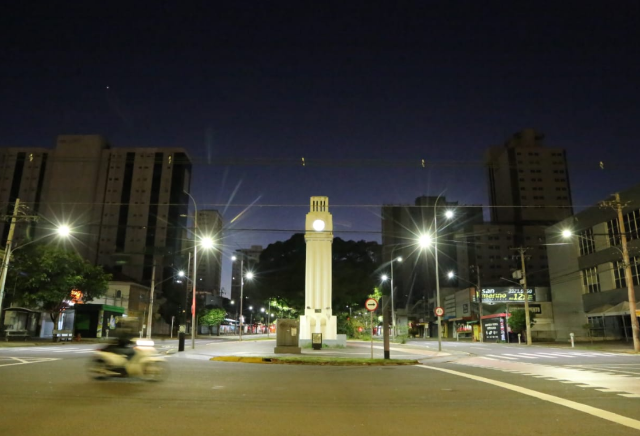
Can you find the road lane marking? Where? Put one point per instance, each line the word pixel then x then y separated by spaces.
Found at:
pixel 539 355
pixel 594 411
pixel 26 360
pixel 520 356
pixel 501 357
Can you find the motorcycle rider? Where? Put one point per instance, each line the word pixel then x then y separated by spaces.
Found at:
pixel 124 333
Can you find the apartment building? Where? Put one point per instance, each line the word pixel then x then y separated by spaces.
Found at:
pixel 127 206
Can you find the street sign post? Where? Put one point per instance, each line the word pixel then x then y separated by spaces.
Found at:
pixel 371 305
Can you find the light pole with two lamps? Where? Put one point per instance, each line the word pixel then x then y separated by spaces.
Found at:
pixel 452 275
pixel 249 276
pixel 393 310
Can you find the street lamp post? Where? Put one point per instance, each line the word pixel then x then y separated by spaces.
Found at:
pixel 249 276
pixel 251 319
pixel 195 271
pixel 451 275
pixel 241 292
pixel 207 243
pixel 393 311
pixel 425 241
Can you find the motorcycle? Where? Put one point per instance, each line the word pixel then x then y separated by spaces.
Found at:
pixel 117 360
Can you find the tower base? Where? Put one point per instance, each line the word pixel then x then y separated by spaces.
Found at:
pixel 318 323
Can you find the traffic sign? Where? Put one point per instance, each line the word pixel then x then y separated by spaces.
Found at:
pixel 371 304
pixel 439 311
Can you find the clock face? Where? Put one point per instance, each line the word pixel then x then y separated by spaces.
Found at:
pixel 318 225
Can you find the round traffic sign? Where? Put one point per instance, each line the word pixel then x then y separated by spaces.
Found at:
pixel 439 311
pixel 371 304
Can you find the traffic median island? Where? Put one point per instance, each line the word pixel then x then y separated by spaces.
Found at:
pixel 312 360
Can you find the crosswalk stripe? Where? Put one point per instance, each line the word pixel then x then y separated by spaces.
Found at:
pixel 501 357
pixel 519 356
pixel 540 355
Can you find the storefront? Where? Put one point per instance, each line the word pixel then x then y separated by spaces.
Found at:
pixel 96 320
pixel 463 328
pixel 495 327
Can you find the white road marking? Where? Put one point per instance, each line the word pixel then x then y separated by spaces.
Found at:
pixel 26 360
pixel 595 376
pixel 538 355
pixel 599 413
pixel 501 357
pixel 520 356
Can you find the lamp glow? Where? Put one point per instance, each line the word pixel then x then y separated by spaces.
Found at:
pixel 425 240
pixel 318 225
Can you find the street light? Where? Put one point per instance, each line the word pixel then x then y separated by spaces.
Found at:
pixel 62 230
pixel 425 241
pixel 206 243
pixel 249 276
pixel 451 275
pixel 393 310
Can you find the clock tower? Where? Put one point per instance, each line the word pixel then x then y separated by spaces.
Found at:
pixel 318 316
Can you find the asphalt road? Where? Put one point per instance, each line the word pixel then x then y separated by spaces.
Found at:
pixel 44 391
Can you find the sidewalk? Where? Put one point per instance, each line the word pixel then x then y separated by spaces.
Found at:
pixel 612 346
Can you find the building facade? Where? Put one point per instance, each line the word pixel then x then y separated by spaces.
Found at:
pixel 528 182
pixel 126 206
pixel 588 286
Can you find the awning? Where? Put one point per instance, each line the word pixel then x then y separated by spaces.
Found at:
pixel 495 315
pixel 599 311
pixel 20 309
pixel 619 309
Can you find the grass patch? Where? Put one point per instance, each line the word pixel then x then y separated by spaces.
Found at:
pixel 338 361
pixel 309 346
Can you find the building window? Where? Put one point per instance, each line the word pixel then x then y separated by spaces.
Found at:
pixel 614 233
pixel 590 280
pixel 118 294
pixel 587 244
pixel 619 275
pixel 631 224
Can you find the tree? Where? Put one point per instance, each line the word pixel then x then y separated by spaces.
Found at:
pixel 518 320
pixel 45 276
pixel 281 272
pixel 213 318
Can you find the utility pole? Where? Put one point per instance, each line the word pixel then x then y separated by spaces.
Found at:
pixel 7 251
pixel 241 293
pixel 153 284
pixel 617 206
pixel 523 281
pixel 480 304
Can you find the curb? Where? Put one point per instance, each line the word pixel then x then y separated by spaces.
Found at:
pixel 276 361
pixel 242 359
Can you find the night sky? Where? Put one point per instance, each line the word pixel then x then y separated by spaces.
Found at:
pixel 362 90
